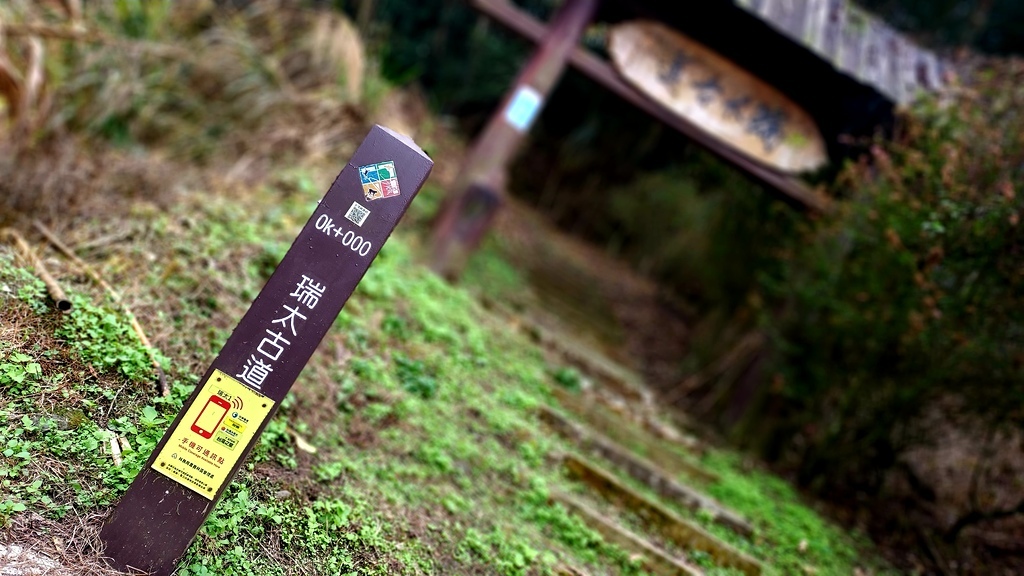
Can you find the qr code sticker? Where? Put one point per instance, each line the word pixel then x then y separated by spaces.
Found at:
pixel 357 214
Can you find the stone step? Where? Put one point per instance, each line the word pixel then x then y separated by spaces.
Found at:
pixel 566 570
pixel 636 466
pixel 619 428
pixel 649 474
pixel 654 559
pixel 585 357
pixel 613 378
pixel 670 425
pixel 578 314
pixel 669 524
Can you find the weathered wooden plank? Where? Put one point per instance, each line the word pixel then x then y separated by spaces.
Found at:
pixel 817 26
pixel 893 49
pixel 898 46
pixel 787 15
pixel 929 75
pixel 855 42
pixel 753 6
pixel 848 57
pixel 835 19
pixel 870 53
pixel 909 88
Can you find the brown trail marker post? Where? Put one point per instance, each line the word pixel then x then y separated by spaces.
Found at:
pixel 209 440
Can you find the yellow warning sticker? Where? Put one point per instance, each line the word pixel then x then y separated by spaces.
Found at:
pixel 210 439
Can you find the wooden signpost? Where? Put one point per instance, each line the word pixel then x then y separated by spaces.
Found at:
pixel 476 198
pixel 208 441
pixel 844 67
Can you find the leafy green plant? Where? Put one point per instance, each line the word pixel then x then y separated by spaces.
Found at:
pixel 105 339
pixel 569 377
pixel 396 326
pixel 330 471
pixel 276 442
pixel 415 377
pixel 19 371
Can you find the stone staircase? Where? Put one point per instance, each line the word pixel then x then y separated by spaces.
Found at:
pixel 635 479
pixel 631 501
pixel 653 558
pixel 652 517
pixel 632 468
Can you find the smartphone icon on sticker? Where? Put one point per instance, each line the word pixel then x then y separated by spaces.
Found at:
pixel 211 416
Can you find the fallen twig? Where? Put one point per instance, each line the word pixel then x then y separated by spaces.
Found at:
pixel 301 442
pixel 52 287
pixel 59 32
pixel 114 295
pixel 80 34
pixel 104 241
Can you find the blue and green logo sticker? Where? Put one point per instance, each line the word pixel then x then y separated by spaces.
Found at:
pixel 379 180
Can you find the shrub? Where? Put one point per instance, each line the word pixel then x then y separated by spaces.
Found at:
pixel 911 294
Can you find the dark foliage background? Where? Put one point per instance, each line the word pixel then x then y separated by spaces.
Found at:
pixel 995 26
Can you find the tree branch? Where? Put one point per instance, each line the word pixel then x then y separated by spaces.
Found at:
pixel 977 516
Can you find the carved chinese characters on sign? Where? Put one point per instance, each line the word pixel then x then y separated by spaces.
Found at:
pixel 717 96
pixel 275 341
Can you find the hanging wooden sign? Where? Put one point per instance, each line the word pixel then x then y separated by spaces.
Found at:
pixel 717 95
pixel 217 427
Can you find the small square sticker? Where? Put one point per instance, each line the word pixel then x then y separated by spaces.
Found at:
pixel 357 214
pixel 379 181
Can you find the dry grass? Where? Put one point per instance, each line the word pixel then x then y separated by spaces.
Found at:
pixel 21 83
pixel 71 544
pixel 336 53
pixel 62 180
pixel 233 91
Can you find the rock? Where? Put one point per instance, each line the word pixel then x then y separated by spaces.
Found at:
pixel 19 561
pixel 47 422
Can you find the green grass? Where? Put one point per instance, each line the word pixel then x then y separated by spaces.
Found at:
pixel 421 405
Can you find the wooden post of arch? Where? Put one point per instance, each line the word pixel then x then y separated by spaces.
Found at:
pixel 479 191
